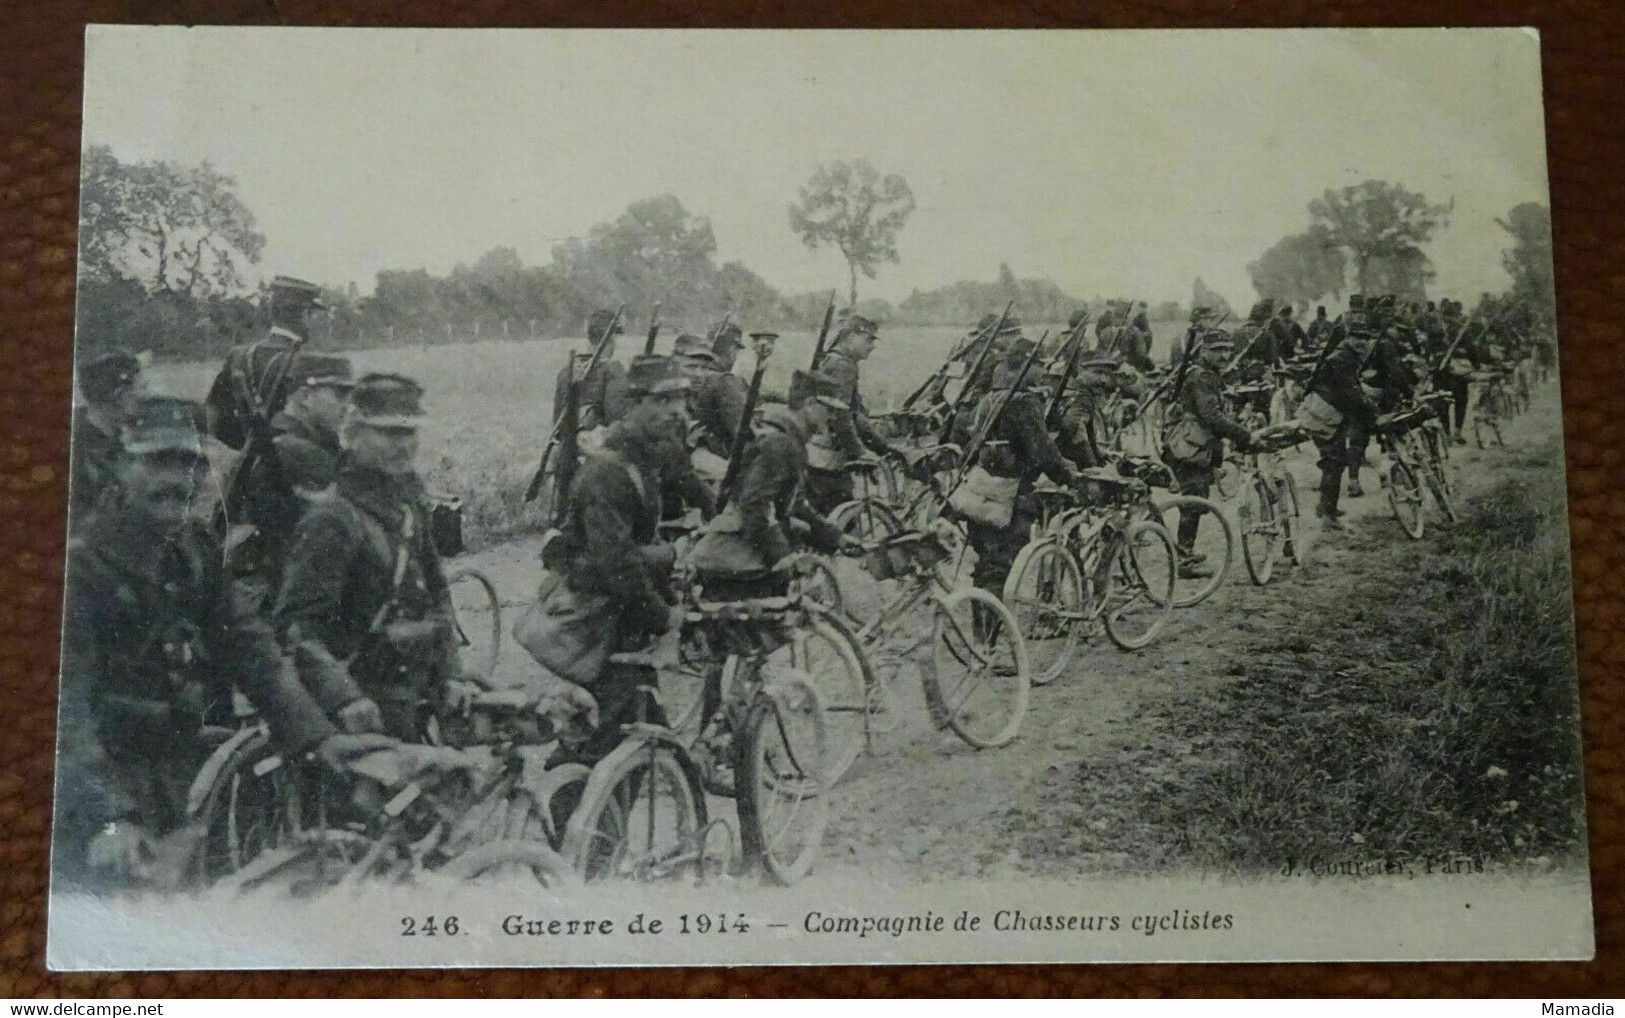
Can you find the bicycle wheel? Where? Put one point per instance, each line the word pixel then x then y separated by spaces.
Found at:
pixel 1439 488
pixel 1139 590
pixel 978 679
pixel 682 686
pixel 1189 592
pixel 1405 498
pixel 820 586
pixel 246 803
pixel 1260 531
pixel 1046 593
pixel 867 519
pixel 642 815
pixel 1289 512
pixel 782 811
pixel 530 861
pixel 824 653
pixel 477 616
pixel 1227 479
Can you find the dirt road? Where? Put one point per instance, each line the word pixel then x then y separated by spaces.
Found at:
pixel 922 805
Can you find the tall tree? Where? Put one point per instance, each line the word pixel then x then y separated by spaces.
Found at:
pixel 853 207
pixel 1300 268
pixel 1382 226
pixel 1529 260
pixel 170 227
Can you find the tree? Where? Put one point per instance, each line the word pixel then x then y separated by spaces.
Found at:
pixel 1529 260
pixel 654 251
pixel 1300 268
pixel 850 205
pixel 1202 296
pixel 168 226
pixel 1382 227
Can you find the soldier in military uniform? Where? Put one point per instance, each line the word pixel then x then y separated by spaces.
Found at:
pixel 1194 438
pixel 1020 446
pixel 1319 331
pixel 1385 371
pixel 609 545
pixel 1336 382
pixel 601 392
pixel 252 386
pixel 1454 375
pixel 152 644
pixel 850 431
pixel 1289 335
pixel 304 460
pixel 363 602
pixel 717 403
pixel 111 385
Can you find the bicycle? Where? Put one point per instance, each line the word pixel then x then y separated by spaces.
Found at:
pixel 1268 515
pixel 977 676
pixel 1093 566
pixel 1414 439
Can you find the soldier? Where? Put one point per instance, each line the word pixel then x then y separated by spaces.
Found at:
pixel 1454 374
pixel 1319 331
pixel 1386 371
pixel 978 385
pixel 1020 447
pixel 112 386
pixel 1080 427
pixel 1134 343
pixel 153 642
pixel 252 386
pixel 1336 386
pixel 601 394
pixel 718 400
pixel 363 601
pixel 609 547
pixel 1193 441
pixel 304 460
pixel 853 430
pixel 1289 335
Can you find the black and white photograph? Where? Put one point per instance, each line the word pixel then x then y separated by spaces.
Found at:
pixel 678 497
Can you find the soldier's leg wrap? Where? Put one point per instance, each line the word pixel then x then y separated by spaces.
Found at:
pixel 1459 388
pixel 1333 458
pixel 1196 480
pixel 618 698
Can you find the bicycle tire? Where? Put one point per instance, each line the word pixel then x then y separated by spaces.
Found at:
pixel 845 695
pixel 1187 597
pixel 1255 518
pixel 1405 499
pixel 1048 579
pixel 770 767
pixel 1227 479
pixel 239 791
pixel 492 656
pixel 546 866
pixel 1127 568
pixel 1290 513
pixel 867 519
pixel 596 840
pixel 955 702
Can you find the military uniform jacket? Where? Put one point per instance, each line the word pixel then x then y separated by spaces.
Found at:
pixel 94 457
pixel 254 375
pixel 613 545
pixel 1202 399
pixel 304 463
pixel 363 583
pixel 718 406
pixel 602 392
pixel 153 640
pixel 852 432
pixel 1338 383
pixel 1392 375
pixel 1020 446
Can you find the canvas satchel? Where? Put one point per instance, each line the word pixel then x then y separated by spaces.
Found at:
pixel 1319 417
pixel 569 634
pixel 1188 440
pixel 985 498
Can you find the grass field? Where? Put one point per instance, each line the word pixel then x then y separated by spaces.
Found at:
pixel 490 404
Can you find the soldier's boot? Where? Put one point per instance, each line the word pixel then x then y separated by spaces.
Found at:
pixel 1355 491
pixel 1191 563
pixel 1326 510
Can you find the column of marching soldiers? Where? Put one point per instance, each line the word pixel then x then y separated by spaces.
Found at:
pixel 316 591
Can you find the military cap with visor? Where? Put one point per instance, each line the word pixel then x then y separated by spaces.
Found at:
pixel 293 289
pixel 695 347
pixel 108 374
pixel 321 369
pixel 655 375
pixel 859 325
pixel 164 425
pixel 382 400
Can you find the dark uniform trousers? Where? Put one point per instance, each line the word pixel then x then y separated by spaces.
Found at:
pixel 153 642
pixel 364 602
pixel 1201 399
pixel 1338 383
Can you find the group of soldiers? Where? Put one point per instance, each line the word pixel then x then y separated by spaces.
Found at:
pixel 314 593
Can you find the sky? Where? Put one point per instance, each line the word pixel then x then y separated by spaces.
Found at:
pixel 1115 163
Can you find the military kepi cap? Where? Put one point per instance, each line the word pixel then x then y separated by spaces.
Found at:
pixel 653 374
pixel 690 345
pixel 302 289
pixel 164 424
pixel 859 325
pixel 321 369
pixel 387 401
pixel 107 374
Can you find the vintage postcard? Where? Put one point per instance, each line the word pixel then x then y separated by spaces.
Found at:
pixel 788 497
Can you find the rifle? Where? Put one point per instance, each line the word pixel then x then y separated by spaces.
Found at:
pixel 979 336
pixel 552 440
pixel 1076 355
pixel 823 332
pixel 654 330
pixel 1174 384
pixel 1453 343
pixel 974 449
pixel 975 369
pixel 736 449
